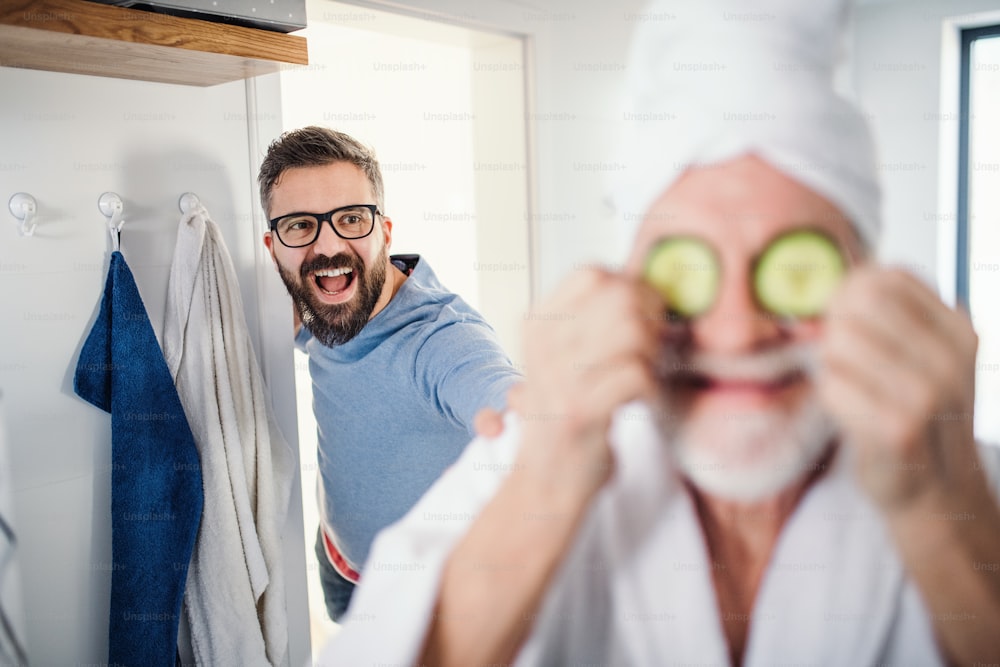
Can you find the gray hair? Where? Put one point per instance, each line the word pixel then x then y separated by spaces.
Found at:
pixel 315 146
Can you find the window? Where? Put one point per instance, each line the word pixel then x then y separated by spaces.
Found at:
pixel 978 214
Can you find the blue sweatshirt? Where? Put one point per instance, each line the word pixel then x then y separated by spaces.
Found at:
pixel 394 406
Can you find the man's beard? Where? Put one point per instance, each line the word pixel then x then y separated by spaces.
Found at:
pixel 754 454
pixel 337 323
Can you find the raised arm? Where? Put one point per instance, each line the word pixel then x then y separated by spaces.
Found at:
pixel 589 350
pixel 899 374
pixel 462 369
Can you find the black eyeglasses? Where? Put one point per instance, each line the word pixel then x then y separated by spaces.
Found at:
pixel 297 230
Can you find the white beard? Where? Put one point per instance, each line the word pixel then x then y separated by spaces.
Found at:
pixel 749 456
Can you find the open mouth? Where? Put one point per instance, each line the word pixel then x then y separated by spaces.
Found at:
pixel 702 382
pixel 334 281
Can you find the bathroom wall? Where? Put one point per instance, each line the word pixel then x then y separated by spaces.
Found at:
pixel 65 139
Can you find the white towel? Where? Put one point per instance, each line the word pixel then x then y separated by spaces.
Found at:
pixel 234 604
pixel 711 80
pixel 12 622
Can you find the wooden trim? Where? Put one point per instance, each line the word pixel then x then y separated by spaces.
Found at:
pixel 84 37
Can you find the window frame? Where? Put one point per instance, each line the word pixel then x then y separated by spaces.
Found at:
pixel 967 36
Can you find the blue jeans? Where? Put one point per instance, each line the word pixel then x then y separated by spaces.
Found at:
pixel 337 591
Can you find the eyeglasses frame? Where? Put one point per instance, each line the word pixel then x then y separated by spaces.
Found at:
pixel 325 217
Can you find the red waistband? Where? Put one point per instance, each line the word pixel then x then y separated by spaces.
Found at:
pixel 338 561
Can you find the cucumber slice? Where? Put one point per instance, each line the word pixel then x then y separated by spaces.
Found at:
pixel 686 273
pixel 797 273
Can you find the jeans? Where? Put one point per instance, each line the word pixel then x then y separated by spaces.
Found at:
pixel 337 591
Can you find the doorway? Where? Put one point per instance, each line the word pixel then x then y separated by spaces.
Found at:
pixel 444 108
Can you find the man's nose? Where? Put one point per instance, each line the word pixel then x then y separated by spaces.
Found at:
pixel 328 243
pixel 736 323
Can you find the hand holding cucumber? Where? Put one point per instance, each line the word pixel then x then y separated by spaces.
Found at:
pixel 589 349
pixel 898 374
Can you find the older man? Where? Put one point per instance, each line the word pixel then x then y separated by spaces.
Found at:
pixel 737 486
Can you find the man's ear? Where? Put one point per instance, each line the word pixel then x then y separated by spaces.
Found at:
pixel 387 231
pixel 269 243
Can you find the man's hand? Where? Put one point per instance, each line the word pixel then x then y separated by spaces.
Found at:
pixel 589 349
pixel 489 422
pixel 899 377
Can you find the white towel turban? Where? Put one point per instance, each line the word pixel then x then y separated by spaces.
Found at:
pixel 710 80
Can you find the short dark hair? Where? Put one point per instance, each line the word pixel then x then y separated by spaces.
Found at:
pixel 315 146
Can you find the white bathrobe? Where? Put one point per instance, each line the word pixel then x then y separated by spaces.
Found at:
pixel 234 603
pixel 636 589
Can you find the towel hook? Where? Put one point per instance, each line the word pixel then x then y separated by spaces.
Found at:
pixel 23 207
pixel 113 208
pixel 188 202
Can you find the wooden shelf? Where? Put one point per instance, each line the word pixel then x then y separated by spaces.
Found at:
pixel 82 37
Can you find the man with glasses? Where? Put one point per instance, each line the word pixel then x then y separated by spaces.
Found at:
pixel 399 365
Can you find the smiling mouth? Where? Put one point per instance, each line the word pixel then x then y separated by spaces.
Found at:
pixel 334 281
pixel 702 382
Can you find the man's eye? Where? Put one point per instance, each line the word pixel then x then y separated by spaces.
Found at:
pixel 351 220
pixel 300 225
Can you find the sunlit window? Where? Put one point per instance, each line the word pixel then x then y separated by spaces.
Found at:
pixel 979 215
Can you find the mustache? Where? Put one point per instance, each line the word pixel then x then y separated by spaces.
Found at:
pixel 764 366
pixel 340 260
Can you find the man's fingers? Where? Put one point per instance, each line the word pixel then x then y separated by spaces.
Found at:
pixel 899 305
pixel 893 332
pixel 626 381
pixel 872 361
pixel 488 423
pixel 589 349
pixel 893 348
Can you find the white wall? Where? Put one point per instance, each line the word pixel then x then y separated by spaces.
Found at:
pixel 66 139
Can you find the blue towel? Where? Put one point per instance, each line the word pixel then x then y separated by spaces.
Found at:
pixel 156 493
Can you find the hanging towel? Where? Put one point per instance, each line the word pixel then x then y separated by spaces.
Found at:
pixel 234 606
pixel 156 496
pixel 12 651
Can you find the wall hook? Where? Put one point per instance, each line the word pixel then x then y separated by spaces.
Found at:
pixel 188 202
pixel 113 208
pixel 23 207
